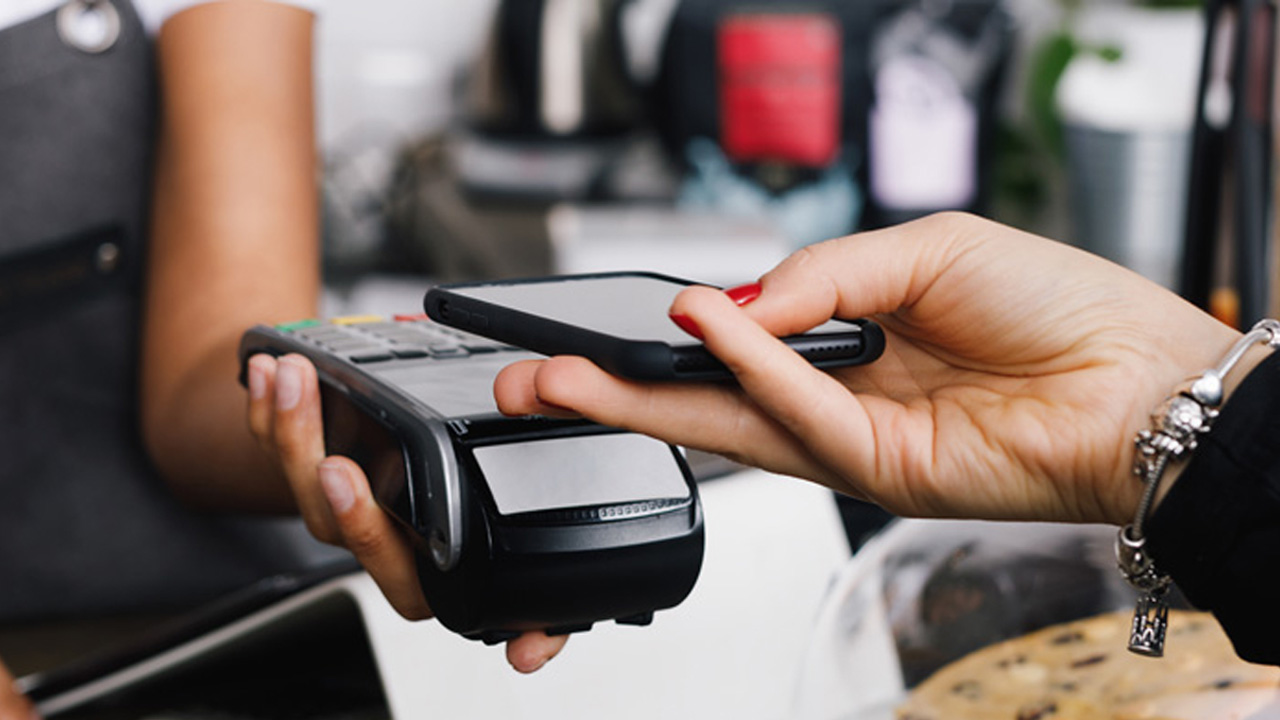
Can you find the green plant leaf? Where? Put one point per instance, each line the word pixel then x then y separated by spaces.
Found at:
pixel 1048 63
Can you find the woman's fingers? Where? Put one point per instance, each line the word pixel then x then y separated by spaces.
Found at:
pixel 365 529
pixel 382 549
pixel 285 417
pixel 384 552
pixel 515 391
pixel 807 403
pixel 297 434
pixel 865 274
pixel 335 500
pixel 332 494
pixel 713 417
pixel 261 378
pixel 532 650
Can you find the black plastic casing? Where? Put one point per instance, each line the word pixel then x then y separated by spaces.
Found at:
pixel 561 570
pixel 488 576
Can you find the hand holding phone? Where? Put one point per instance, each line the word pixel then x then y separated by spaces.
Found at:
pixel 619 321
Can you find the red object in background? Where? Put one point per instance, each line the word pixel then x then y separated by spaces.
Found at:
pixel 780 87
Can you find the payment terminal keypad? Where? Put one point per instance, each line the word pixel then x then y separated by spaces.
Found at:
pixel 449 370
pixel 369 340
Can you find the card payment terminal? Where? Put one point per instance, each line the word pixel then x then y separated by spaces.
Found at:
pixel 518 523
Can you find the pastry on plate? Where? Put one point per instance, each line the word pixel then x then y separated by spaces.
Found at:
pixel 1082 669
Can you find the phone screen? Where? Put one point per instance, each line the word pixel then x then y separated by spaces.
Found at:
pixel 633 307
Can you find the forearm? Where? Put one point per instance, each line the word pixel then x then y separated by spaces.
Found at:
pixel 234 238
pixel 200 443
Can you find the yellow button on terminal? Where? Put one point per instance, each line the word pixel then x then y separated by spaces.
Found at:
pixel 357 319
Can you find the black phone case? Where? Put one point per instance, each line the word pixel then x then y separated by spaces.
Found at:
pixel 635 359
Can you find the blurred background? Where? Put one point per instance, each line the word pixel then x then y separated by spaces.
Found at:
pixel 709 138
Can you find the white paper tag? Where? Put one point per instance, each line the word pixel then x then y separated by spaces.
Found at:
pixel 923 137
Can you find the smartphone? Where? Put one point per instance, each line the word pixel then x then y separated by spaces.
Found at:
pixel 619 321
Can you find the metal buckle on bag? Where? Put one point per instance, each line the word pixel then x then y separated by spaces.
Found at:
pixel 91 26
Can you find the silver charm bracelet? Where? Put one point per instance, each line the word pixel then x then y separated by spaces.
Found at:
pixel 1176 425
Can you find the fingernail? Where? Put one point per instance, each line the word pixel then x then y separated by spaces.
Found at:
pixel 744 294
pixel 257 382
pixel 336 486
pixel 288 385
pixel 686 324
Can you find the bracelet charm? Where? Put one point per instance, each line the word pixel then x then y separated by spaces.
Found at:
pixel 1176 425
pixel 1151 613
pixel 1150 623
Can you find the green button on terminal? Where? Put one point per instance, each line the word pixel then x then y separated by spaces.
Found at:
pixel 297 325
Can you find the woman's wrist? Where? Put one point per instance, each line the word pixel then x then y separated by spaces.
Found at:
pixel 1177 428
pixel 1216 534
pixel 1250 360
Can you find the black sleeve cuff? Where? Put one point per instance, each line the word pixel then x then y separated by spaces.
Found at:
pixel 1217 533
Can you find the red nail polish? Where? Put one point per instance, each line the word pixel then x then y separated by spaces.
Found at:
pixel 744 294
pixel 686 324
